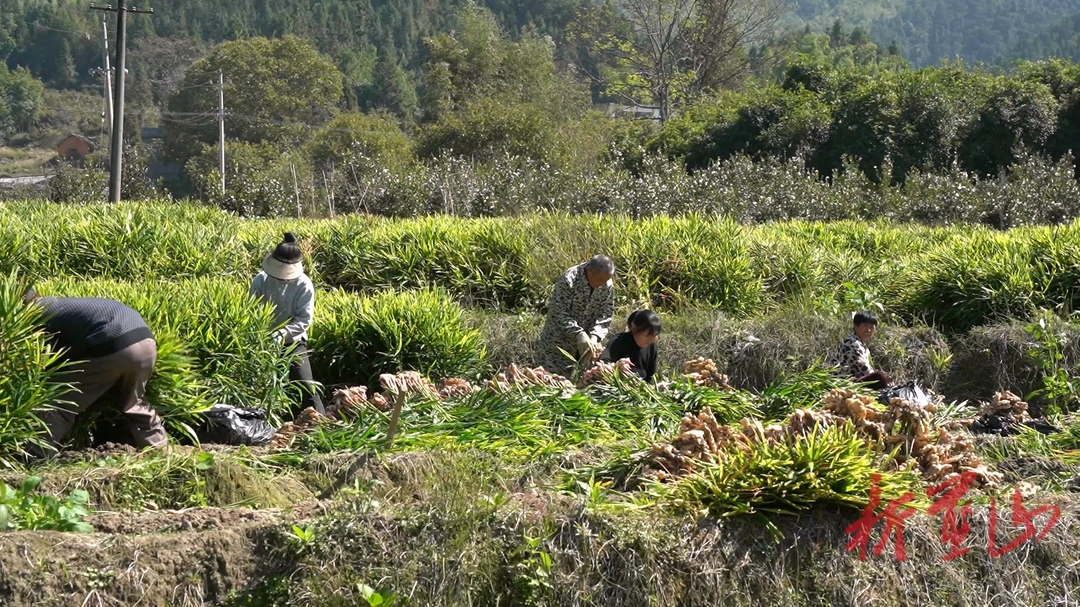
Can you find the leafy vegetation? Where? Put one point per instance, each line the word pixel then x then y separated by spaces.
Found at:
pixel 954 278
pixel 24 508
pixel 27 367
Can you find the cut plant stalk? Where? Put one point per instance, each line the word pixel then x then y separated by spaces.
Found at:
pixel 399 400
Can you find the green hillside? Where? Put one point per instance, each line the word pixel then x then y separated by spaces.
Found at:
pixel 60 40
pixel 927 31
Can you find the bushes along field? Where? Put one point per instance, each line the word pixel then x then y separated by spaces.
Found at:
pixel 953 278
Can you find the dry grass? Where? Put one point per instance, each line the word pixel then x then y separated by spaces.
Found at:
pixel 23 162
pixel 442 529
pixel 444 538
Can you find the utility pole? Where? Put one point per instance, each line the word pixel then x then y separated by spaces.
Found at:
pixel 116 147
pixel 221 129
pixel 108 75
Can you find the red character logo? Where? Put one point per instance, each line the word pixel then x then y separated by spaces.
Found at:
pixel 1020 516
pixel 894 521
pixel 957 525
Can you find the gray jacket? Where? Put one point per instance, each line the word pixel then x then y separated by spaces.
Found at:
pixel 293 302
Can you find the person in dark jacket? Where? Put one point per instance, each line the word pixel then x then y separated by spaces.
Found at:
pixel 107 344
pixel 637 343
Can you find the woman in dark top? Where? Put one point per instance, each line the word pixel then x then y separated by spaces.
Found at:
pixel 637 343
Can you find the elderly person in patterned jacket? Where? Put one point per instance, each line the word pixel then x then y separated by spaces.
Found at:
pixel 579 315
pixel 853 357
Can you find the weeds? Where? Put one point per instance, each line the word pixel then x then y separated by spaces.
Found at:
pixel 24 508
pixel 1059 389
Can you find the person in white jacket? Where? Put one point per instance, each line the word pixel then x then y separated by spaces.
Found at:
pixel 284 285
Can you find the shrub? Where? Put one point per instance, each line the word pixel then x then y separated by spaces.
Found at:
pixel 355 339
pixel 27 368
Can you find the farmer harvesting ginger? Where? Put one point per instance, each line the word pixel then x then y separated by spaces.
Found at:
pixel 579 314
pixel 283 284
pixel 637 343
pixel 107 344
pixel 853 356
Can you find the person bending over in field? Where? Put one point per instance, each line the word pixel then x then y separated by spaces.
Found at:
pixel 107 344
pixel 284 285
pixel 853 357
pixel 637 343
pixel 579 315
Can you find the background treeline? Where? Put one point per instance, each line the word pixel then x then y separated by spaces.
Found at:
pixel 51 38
pixel 492 120
pixel 992 31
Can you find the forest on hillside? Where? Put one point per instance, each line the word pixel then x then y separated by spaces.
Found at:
pixel 928 31
pixel 59 42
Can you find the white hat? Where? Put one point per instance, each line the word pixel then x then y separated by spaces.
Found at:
pixel 284 263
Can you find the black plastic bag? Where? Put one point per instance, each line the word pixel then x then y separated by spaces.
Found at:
pixel 911 392
pixel 229 425
pixel 1006 426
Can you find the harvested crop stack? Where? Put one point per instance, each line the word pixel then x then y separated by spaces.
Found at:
pixel 308 418
pixel 518 376
pixel 703 372
pixel 1006 404
pixel 862 410
pixel 1005 415
pixel 347 401
pixel 940 453
pixel 455 388
pixel 408 382
pixel 802 422
pixel 379 402
pixel 701 438
pixel 601 372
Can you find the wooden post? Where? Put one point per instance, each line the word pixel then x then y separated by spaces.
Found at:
pixel 399 400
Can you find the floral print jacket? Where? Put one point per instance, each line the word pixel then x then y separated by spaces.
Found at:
pixel 853 358
pixel 574 307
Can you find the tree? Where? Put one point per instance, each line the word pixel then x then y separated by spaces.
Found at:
pixel 158 66
pixel 664 51
pixel 390 88
pixel 375 139
pixel 477 61
pixel 276 91
pixel 20 99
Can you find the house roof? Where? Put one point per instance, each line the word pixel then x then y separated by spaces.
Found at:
pixel 79 137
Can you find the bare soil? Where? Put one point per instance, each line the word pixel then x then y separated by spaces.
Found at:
pixel 46 569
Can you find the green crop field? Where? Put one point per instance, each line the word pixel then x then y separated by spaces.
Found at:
pixel 508 487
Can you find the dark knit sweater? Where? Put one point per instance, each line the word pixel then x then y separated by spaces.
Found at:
pixel 90 327
pixel 643 359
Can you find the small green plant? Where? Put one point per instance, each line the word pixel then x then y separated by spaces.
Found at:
pixel 99 579
pixel 376 598
pixel 533 568
pixel 1059 388
pixel 24 508
pixel 302 536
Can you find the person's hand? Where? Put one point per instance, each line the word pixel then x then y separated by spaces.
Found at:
pixel 584 346
pixel 595 349
pixel 279 336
